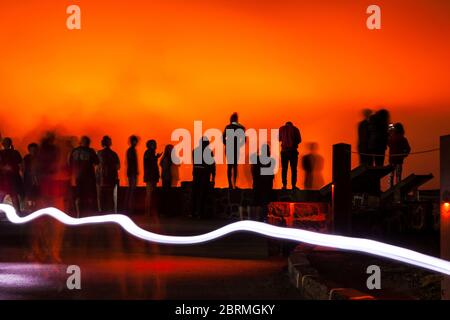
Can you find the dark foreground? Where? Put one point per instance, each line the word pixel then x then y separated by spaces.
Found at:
pixel 115 266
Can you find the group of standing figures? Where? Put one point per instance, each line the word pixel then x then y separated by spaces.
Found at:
pixel 375 135
pixel 86 181
pixel 54 173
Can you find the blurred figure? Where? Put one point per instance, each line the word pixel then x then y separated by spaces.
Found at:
pixel 290 138
pixel 378 137
pixel 312 164
pixel 30 176
pixel 107 176
pixel 263 182
pixel 234 139
pixel 132 173
pixel 48 234
pixel 167 167
pixel 151 172
pixel 204 175
pixel 82 163
pixel 363 137
pixel 399 149
pixel 10 166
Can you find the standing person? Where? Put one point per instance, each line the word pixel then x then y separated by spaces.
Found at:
pixel 132 173
pixel 312 164
pixel 167 164
pixel 82 163
pixel 151 172
pixel 363 137
pixel 263 182
pixel 204 175
pixel 234 139
pixel 378 137
pixel 30 176
pixel 10 179
pixel 290 138
pixel 399 149
pixel 107 176
pixel 168 178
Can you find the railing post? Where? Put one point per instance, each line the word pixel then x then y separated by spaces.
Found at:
pixel 445 209
pixel 342 191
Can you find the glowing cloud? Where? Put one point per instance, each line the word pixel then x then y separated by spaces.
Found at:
pixel 333 241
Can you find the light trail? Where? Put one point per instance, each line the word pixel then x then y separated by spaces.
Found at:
pixel 339 242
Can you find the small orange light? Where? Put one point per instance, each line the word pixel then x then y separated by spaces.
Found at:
pixel 446 206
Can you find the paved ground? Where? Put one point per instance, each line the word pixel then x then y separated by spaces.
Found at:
pixel 116 266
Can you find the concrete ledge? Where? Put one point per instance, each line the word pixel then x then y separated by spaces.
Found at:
pixel 312 286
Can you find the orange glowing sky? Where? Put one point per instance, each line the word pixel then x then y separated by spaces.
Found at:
pixel 148 67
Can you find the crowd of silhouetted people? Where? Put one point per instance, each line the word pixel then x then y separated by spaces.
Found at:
pixel 80 179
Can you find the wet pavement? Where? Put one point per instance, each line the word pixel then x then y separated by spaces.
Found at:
pixel 114 265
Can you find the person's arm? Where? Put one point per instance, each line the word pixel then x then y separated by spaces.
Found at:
pixel 95 157
pixel 213 170
pixel 407 147
pixel 224 135
pixel 117 161
pixel 20 162
pixel 299 136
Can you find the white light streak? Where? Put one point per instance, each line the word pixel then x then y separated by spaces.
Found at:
pixel 339 242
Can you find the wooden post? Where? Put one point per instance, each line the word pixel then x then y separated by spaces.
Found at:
pixel 342 190
pixel 445 209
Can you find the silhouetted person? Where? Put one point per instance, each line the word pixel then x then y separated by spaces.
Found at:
pixel 204 175
pixel 312 164
pixel 132 173
pixel 30 176
pixel 151 172
pixel 378 137
pixel 82 163
pixel 290 138
pixel 167 167
pixel 263 176
pixel 399 149
pixel 53 188
pixel 10 179
pixel 107 176
pixel 234 139
pixel 168 177
pixel 363 137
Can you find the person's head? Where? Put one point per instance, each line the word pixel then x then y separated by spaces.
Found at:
pixel 7 143
pixel 33 148
pixel 133 140
pixel 106 142
pixel 366 113
pixel 399 129
pixel 85 141
pixel 383 116
pixel 234 117
pixel 151 144
pixel 313 147
pixel 168 150
pixel 289 124
pixel 48 139
pixel 204 141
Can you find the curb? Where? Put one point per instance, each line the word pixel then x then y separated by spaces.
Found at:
pixel 312 286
